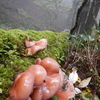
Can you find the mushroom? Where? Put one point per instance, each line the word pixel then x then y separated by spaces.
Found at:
pixel 22 87
pixel 69 93
pixel 41 81
pixel 53 82
pixel 39 72
pixel 50 65
pixel 39 45
pixel 42 43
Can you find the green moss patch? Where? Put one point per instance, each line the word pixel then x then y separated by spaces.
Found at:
pixel 13 59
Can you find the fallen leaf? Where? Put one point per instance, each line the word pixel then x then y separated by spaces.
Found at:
pixel 86 96
pixel 77 91
pixel 73 76
pixel 86 91
pixel 85 82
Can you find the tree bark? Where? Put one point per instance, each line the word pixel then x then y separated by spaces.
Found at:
pixel 78 15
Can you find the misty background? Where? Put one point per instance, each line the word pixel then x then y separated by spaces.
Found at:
pixel 55 15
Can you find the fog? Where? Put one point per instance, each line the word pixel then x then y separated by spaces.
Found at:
pixel 55 15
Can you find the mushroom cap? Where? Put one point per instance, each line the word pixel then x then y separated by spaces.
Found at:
pixel 23 87
pixel 42 43
pixel 50 65
pixel 51 86
pixel 39 72
pixel 37 93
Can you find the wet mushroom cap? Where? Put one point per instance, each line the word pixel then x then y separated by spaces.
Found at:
pixel 23 87
pixel 42 43
pixel 50 65
pixel 39 72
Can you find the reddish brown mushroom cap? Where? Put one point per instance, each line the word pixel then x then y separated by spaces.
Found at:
pixel 39 45
pixel 39 72
pixel 42 43
pixel 23 87
pixel 50 65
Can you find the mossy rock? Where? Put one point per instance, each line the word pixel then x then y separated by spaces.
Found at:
pixel 12 56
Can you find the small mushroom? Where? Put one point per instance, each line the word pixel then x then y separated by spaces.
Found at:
pixel 39 72
pixel 41 44
pixel 22 87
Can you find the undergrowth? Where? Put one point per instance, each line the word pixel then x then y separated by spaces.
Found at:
pixel 84 53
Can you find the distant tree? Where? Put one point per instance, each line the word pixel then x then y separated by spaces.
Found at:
pixel 86 17
pixel 51 9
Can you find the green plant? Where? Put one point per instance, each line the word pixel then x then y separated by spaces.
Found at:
pixel 84 53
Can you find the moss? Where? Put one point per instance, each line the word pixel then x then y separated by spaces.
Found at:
pixel 13 59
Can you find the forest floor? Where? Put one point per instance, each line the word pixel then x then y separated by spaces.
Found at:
pixel 84 53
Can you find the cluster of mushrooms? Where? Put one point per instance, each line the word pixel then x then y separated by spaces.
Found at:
pixel 35 46
pixel 42 80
